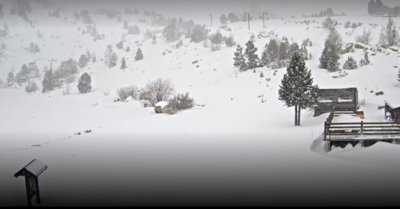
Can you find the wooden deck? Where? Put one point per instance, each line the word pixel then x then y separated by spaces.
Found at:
pixel 341 134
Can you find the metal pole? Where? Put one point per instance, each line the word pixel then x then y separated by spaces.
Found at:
pixel 248 19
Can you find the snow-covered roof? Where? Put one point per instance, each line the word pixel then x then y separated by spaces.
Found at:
pixel 345 100
pixel 35 167
pixel 162 104
pixel 325 100
pixel 393 102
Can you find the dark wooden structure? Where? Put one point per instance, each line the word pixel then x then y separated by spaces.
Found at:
pixel 367 134
pixel 336 100
pixel 31 173
pixel 392 113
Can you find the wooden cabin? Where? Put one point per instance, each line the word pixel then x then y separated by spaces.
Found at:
pixel 392 110
pixel 336 100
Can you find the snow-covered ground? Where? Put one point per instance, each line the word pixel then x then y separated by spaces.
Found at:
pixel 231 150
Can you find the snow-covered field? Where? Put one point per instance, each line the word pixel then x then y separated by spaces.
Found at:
pixel 234 150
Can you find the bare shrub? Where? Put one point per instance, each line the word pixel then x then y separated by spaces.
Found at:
pixel 180 102
pixel 157 91
pixel 365 38
pixel 125 92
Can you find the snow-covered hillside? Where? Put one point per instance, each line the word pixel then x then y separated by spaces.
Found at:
pixel 229 149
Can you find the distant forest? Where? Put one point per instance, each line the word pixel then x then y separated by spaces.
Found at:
pixel 377 8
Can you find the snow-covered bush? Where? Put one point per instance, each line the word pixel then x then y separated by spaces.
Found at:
pixel 199 34
pixel 216 38
pixel 31 87
pixel 83 60
pixel 157 91
pixel 125 92
pixel 350 64
pixel 229 41
pixel 84 84
pixel 180 102
pixel 120 45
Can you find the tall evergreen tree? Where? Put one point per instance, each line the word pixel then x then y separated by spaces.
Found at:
pixel 371 7
pixel 139 55
pixel 250 53
pixel 223 19
pixel 296 89
pixel 283 50
pixel 48 82
pixel 265 60
pixel 273 50
pixel 239 60
pixel 292 49
pixel 123 64
pixel 323 60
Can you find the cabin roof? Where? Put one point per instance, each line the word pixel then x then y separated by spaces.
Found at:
pixel 35 167
pixel 393 102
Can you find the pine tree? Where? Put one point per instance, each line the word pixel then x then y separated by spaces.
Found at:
pixel 350 64
pixel 265 60
pixel 273 50
pixel 239 60
pixel 11 77
pixel 84 84
pixel 250 54
pixel 113 60
pixel 304 52
pixel 371 7
pixel 297 88
pixel 292 49
pixel 123 64
pixel 283 51
pixel 48 82
pixel 128 49
pixel 139 55
pixel 83 60
pixel 333 64
pixel 107 55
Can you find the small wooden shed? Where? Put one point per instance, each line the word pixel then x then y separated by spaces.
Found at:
pixel 392 110
pixel 345 99
pixel 31 172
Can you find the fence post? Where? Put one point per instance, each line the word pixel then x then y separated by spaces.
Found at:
pixel 325 132
pixel 362 126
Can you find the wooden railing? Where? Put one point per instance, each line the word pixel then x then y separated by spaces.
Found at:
pixel 346 131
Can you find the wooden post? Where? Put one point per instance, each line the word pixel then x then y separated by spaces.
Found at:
pixel 37 190
pixel 28 191
pixel 362 126
pixel 325 132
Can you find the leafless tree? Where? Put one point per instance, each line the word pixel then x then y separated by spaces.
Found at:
pixel 389 34
pixel 157 91
pixel 365 38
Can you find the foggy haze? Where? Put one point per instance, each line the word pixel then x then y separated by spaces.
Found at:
pixel 199 10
